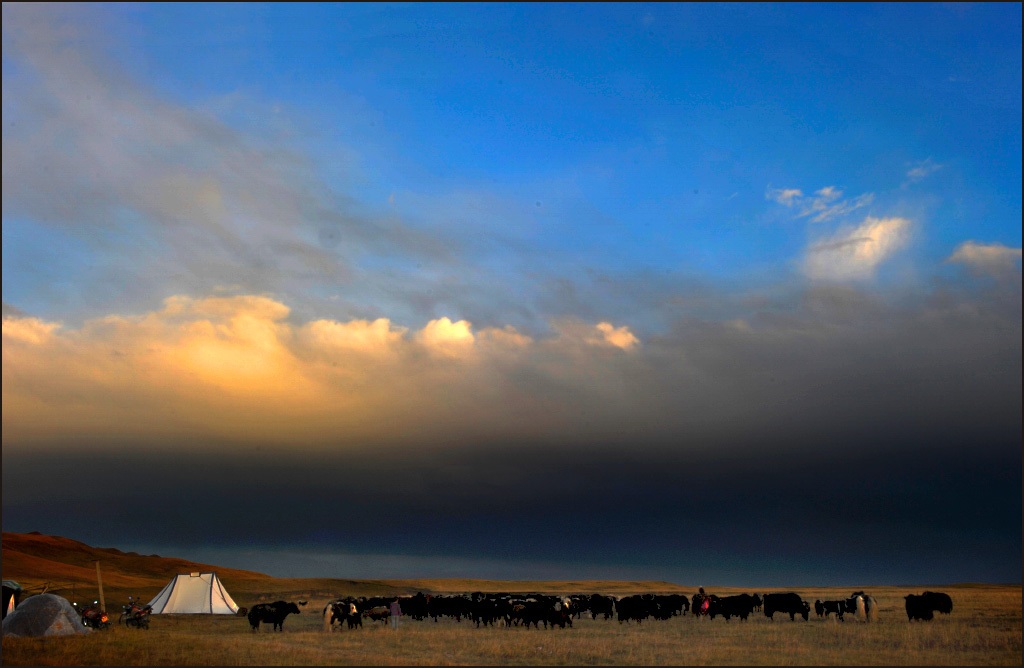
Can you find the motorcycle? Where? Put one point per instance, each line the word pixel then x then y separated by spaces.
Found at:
pixel 94 617
pixel 135 616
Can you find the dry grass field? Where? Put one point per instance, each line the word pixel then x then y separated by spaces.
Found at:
pixel 984 629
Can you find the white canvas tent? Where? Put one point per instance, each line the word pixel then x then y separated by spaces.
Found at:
pixel 194 593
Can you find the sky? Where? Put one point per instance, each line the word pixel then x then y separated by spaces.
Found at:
pixel 705 293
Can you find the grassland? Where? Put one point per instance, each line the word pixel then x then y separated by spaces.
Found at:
pixel 984 629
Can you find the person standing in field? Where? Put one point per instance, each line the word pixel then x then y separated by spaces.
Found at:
pixel 396 612
pixel 701 603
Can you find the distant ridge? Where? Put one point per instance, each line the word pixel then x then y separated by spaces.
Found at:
pixel 539 586
pixel 68 567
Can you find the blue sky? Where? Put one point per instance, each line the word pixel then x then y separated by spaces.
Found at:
pixel 639 228
pixel 615 138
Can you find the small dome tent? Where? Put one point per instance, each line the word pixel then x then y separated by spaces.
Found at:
pixel 194 593
pixel 43 615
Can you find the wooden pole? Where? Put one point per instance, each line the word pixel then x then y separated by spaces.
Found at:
pixel 99 581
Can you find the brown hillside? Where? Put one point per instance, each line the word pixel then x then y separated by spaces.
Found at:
pixel 36 560
pixel 28 568
pixel 72 552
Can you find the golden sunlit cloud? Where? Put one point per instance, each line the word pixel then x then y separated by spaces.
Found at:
pixel 27 330
pixel 444 337
pixel 575 333
pixel 236 368
pixel 507 337
pixel 378 338
pixel 620 337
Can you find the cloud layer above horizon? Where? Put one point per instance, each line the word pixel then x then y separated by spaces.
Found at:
pixel 239 369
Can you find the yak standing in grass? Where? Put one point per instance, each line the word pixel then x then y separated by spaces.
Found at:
pixel 602 605
pixel 560 613
pixel 271 613
pixel 789 603
pixel 378 613
pixel 838 608
pixel 939 601
pixel 731 606
pixel 342 612
pixel 924 606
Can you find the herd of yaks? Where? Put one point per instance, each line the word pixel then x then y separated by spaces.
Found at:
pixel 527 610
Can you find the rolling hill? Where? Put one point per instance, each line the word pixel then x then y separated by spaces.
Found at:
pixel 59 564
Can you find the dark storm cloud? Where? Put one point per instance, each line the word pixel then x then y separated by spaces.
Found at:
pixel 926 514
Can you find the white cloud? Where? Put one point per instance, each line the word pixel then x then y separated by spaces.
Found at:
pixel 785 196
pixel 829 193
pixel 987 258
pixel 826 203
pixel 922 170
pixel 855 253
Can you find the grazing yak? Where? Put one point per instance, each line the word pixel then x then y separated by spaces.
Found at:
pixel 924 605
pixel 489 609
pixel 639 607
pixel 540 609
pixel 271 613
pixel 378 613
pixel 560 613
pixel 453 607
pixel 732 606
pixel 941 602
pixel 344 611
pixel 414 607
pixel 788 603
pixel 838 608
pixel 602 605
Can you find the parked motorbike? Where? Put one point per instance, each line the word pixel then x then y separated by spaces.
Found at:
pixel 93 616
pixel 134 615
